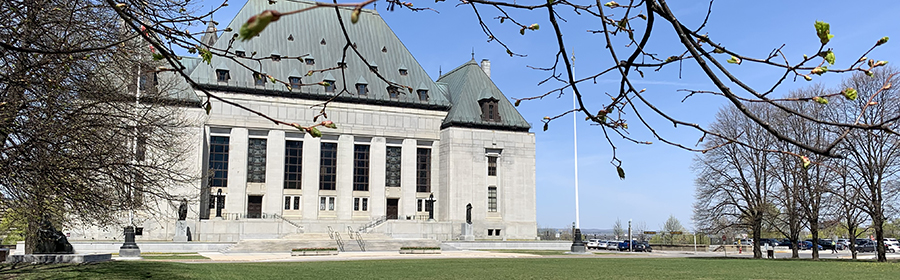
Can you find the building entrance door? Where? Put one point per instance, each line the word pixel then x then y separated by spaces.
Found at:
pixel 254 206
pixel 392 205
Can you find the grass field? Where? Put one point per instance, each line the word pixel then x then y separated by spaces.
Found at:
pixel 530 268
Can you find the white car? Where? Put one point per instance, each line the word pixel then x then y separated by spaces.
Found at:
pixel 603 245
pixel 891 245
pixel 593 244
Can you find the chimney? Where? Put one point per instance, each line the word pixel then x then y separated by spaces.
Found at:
pixel 486 66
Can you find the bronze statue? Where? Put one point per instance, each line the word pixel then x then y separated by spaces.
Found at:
pixel 182 210
pixel 469 213
pixel 50 240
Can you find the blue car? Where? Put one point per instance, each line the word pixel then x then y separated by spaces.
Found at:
pixel 806 245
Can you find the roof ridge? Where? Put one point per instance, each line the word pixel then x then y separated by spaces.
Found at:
pixel 473 62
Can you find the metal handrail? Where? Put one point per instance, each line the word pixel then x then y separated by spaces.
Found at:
pixel 373 224
pixel 359 239
pixel 337 237
pixel 299 227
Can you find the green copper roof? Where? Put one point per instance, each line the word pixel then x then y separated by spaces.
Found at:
pixel 317 34
pixel 467 85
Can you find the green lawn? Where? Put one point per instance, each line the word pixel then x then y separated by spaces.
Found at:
pixel 530 268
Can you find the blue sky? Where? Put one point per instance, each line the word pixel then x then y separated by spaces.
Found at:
pixel 659 179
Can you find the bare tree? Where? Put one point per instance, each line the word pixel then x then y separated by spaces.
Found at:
pixel 873 156
pixel 732 182
pixel 617 229
pixel 672 225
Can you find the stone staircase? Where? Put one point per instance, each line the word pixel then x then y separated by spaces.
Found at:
pixel 373 242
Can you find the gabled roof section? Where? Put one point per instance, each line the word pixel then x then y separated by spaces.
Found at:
pixel 309 30
pixel 466 86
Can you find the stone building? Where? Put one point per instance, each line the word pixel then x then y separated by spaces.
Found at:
pixel 457 139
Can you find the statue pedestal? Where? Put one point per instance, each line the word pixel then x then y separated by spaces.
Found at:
pixel 129 249
pixel 180 231
pixel 467 232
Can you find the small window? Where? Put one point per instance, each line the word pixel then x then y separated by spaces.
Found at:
pixel 222 76
pixel 342 64
pixel 291 37
pixel 296 203
pixel 393 91
pixel 240 53
pixel 490 232
pixel 492 199
pixel 423 94
pixel 326 203
pixel 497 232
pixel 374 68
pixel 361 89
pixel 322 42
pixel 490 111
pixel 360 204
pixel 384 49
pixel 404 72
pixel 259 79
pixel 330 87
pixel 309 61
pixel 276 57
pixel 287 203
pixel 295 81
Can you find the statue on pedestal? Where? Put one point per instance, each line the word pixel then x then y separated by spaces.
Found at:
pixel 469 213
pixel 50 240
pixel 182 210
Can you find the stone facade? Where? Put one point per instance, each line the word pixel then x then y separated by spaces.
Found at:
pixel 442 129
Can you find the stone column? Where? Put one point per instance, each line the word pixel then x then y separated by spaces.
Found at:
pixel 274 198
pixel 407 179
pixel 377 160
pixel 236 198
pixel 344 203
pixel 310 177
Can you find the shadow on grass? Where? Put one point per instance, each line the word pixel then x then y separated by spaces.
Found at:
pixel 105 270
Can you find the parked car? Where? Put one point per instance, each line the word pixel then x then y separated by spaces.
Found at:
pixel 593 244
pixel 825 244
pixel 807 245
pixel 785 242
pixel 744 242
pixel 647 247
pixel 602 245
pixel 768 241
pixel 612 245
pixel 843 244
pixel 893 248
pixel 865 245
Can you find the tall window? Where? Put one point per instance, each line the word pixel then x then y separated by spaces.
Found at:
pixel 218 161
pixel 423 170
pixel 293 164
pixel 361 168
pixel 492 199
pixel 392 167
pixel 256 161
pixel 492 166
pixel 328 167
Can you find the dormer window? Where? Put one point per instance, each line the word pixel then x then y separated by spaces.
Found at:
pixel 295 81
pixel 361 89
pixel 404 72
pixel 330 87
pixel 148 81
pixel 240 53
pixel 342 64
pixel 423 94
pixel 490 112
pixel 259 79
pixel 309 61
pixel 374 68
pixel 393 91
pixel 276 57
pixel 222 75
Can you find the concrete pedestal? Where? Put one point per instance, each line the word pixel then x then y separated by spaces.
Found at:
pixel 180 231
pixel 467 232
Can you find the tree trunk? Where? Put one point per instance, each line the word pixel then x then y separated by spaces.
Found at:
pixel 757 232
pixel 814 230
pixel 878 225
pixel 795 246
